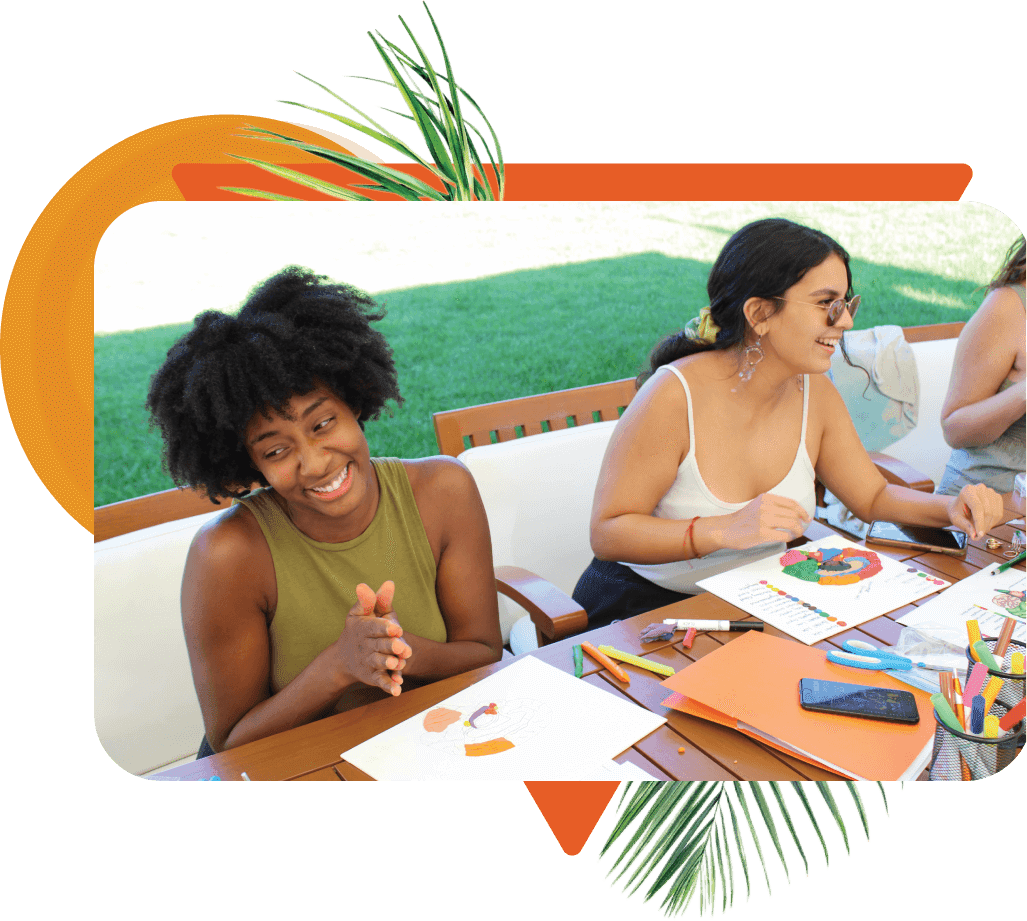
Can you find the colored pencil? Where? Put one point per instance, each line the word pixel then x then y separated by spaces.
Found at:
pixel 1004 636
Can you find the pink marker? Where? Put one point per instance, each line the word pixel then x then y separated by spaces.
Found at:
pixel 978 675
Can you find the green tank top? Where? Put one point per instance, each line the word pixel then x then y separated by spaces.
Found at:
pixel 317 581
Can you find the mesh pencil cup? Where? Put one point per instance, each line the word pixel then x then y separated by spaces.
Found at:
pixel 964 756
pixel 1012 685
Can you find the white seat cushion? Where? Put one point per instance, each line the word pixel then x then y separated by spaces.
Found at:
pixel 538 494
pixel 146 710
pixel 924 448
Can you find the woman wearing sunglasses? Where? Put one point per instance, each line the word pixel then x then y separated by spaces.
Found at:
pixel 713 463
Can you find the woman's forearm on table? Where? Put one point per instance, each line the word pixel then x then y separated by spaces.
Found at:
pixel 981 423
pixel 311 695
pixel 909 506
pixel 431 660
pixel 643 539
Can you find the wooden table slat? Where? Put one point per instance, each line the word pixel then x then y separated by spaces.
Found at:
pixel 325 773
pixel 635 757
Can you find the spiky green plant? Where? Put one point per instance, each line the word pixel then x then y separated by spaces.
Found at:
pixel 687 836
pixel 439 116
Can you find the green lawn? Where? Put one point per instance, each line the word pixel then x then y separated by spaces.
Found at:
pixel 537 330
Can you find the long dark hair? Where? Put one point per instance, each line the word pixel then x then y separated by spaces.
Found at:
pixel 1014 267
pixel 763 259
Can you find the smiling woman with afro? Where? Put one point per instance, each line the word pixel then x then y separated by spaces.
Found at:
pixel 335 570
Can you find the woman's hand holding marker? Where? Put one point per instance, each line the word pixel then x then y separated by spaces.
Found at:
pixel 370 646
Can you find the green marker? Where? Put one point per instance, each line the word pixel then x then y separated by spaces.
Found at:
pixel 984 655
pixel 945 714
pixel 579 662
pixel 1012 562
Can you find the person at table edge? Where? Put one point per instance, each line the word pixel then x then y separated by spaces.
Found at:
pixel 712 464
pixel 344 570
pixel 985 410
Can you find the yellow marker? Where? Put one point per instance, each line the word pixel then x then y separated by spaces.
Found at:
pixel 990 692
pixel 1017 663
pixel 657 667
pixel 991 726
pixel 973 631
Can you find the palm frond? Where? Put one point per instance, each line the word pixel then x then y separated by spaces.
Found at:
pixel 678 839
pixel 408 187
pixel 257 193
pixel 453 158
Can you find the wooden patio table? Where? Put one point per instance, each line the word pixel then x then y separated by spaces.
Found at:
pixel 710 751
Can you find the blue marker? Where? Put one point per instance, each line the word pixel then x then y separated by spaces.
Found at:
pixel 977 715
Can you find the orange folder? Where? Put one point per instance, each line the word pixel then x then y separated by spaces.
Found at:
pixel 752 684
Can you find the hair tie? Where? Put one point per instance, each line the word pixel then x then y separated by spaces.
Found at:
pixel 702 327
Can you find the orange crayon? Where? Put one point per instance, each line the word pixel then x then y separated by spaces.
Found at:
pixel 605 662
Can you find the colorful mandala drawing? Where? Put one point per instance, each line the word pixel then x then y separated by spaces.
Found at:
pixel 829 566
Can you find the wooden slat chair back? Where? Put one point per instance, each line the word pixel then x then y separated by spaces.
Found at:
pixel 147 511
pixel 456 430
pixel 932 332
pixel 459 429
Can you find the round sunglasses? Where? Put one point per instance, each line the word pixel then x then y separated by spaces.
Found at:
pixel 835 308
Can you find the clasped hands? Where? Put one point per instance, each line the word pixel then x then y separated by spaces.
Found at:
pixel 370 646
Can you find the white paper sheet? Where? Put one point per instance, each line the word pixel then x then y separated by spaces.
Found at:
pixel 844 585
pixel 529 721
pixel 985 597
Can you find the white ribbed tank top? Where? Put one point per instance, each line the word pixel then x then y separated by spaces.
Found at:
pixel 689 496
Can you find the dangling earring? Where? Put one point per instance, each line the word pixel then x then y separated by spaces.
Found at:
pixel 798 380
pixel 750 362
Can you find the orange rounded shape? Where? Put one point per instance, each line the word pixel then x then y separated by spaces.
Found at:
pixel 438 719
pixel 46 340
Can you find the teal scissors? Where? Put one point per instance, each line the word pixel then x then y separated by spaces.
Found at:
pixel 863 655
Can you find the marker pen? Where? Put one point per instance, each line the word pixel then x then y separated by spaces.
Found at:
pixel 699 625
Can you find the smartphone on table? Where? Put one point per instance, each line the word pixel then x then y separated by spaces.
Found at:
pixel 871 703
pixel 936 540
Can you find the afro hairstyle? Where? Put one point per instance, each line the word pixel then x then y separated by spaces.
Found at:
pixel 295 331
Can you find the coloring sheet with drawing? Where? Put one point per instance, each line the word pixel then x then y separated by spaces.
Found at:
pixel 529 721
pixel 822 588
pixel 986 596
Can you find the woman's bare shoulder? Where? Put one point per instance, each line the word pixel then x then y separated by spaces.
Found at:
pixel 710 368
pixel 447 499
pixel 1001 311
pixel 826 406
pixel 229 568
pixel 437 471
pixel 232 539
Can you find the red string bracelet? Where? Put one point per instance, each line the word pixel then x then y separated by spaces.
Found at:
pixel 690 539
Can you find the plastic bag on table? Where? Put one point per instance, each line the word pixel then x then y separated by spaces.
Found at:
pixel 935 645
